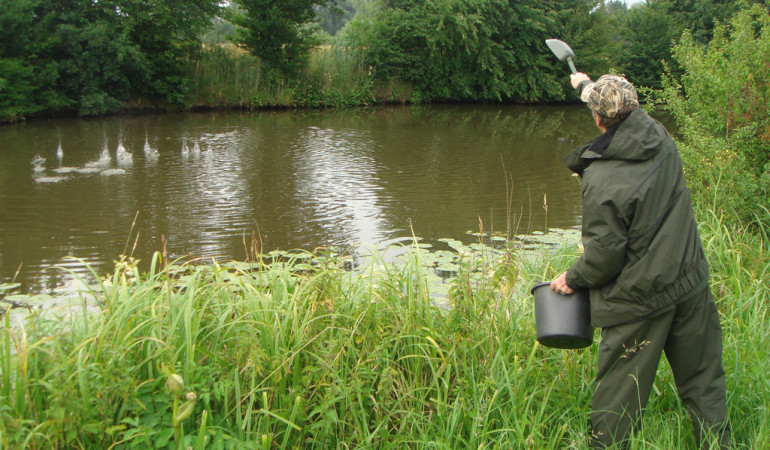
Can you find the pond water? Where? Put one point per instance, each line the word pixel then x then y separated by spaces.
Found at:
pixel 211 184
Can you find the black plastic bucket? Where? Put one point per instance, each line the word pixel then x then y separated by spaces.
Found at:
pixel 562 321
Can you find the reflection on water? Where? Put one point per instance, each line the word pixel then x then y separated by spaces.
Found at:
pixel 96 189
pixel 337 185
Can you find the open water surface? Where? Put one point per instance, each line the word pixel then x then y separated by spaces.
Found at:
pixel 294 179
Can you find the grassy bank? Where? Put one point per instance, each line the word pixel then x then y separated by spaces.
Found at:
pixel 226 76
pixel 303 353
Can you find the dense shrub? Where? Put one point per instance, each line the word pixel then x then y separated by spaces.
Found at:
pixel 721 104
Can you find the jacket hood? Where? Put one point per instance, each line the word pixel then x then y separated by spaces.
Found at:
pixel 638 138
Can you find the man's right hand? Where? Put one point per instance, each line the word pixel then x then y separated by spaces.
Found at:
pixel 577 78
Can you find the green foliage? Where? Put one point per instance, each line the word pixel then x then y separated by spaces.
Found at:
pixel 167 34
pixel 648 30
pixel 28 84
pixel 721 105
pixel 334 18
pixel 487 50
pixel 647 34
pixel 276 31
pixel 455 49
pixel 92 57
pixel 225 75
pixel 16 89
pixel 700 17
pixel 335 77
pixel 590 28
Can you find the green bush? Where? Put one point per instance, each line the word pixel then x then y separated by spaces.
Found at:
pixel 721 105
pixel 15 89
pixel 452 50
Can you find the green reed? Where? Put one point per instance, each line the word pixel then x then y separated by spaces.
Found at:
pixel 226 75
pixel 334 76
pixel 302 352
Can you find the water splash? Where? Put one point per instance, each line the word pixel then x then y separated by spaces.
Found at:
pixel 88 169
pixel 59 153
pixel 196 150
pixel 123 156
pixel 38 169
pixel 99 164
pixel 104 159
pixel 64 169
pixel 149 152
pixel 37 166
pixel 185 149
pixel 109 172
pixel 49 179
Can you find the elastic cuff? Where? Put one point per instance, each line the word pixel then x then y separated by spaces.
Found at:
pixel 572 285
pixel 582 86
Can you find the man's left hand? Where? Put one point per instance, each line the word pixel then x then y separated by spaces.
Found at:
pixel 560 285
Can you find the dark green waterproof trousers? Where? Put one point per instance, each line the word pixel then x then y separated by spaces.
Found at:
pixel 691 337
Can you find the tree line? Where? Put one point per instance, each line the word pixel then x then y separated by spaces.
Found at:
pixel 90 57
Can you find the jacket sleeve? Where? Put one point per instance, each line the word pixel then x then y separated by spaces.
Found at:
pixel 574 159
pixel 604 238
pixel 582 88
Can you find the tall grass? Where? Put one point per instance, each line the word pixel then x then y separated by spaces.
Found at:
pixel 226 75
pixel 334 76
pixel 740 269
pixel 301 353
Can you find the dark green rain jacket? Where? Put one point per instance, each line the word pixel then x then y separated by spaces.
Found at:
pixel 642 252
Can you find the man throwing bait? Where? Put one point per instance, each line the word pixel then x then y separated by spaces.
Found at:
pixel 644 264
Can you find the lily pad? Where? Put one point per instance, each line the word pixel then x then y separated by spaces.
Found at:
pixel 443 256
pixel 453 243
pixel 5 287
pixel 238 265
pixel 302 255
pixel 447 269
pixel 24 300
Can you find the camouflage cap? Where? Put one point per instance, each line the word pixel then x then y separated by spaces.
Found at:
pixel 610 96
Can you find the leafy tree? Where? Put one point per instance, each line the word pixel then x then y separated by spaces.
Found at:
pixel 699 16
pixel 276 31
pixel 449 49
pixel 333 18
pixel 26 85
pixel 591 28
pixel 534 74
pixel 167 33
pixel 91 57
pixel 647 33
pixel 648 30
